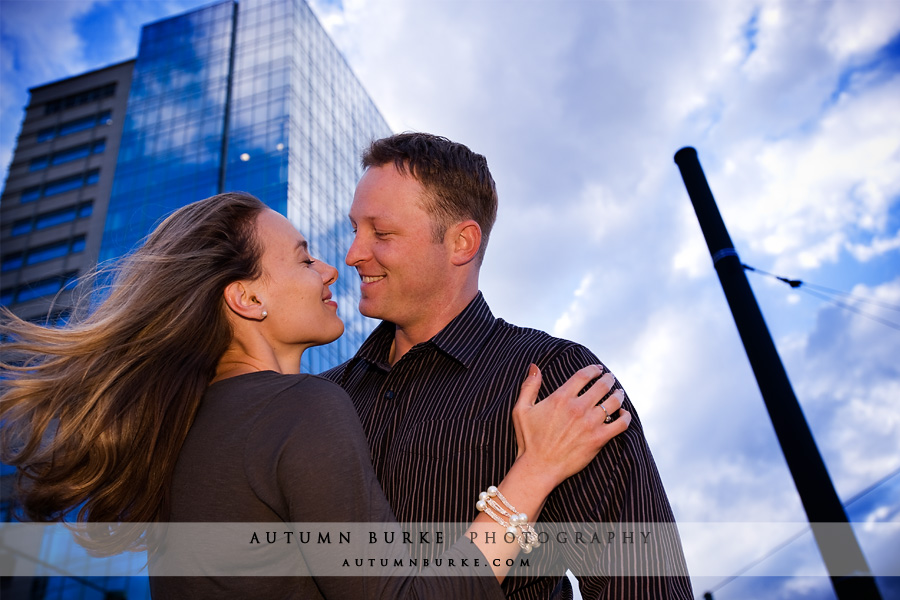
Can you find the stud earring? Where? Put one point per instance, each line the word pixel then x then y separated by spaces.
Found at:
pixel 265 314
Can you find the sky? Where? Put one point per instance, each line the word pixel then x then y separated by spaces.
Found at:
pixel 579 106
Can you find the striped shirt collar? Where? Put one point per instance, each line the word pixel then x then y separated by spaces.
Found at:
pixel 462 338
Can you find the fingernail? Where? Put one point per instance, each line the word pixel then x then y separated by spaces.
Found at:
pixel 533 370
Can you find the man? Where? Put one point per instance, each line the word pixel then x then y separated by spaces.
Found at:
pixel 435 383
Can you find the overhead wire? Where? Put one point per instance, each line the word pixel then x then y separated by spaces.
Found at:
pixel 820 291
pixel 816 291
pixel 787 541
pixel 852 308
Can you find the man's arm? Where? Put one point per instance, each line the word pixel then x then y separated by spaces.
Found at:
pixel 620 486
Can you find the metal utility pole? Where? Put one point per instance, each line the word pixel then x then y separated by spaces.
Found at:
pixel 850 574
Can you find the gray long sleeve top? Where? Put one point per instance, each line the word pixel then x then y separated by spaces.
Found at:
pixel 272 448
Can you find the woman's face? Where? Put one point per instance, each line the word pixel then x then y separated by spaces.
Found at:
pixel 294 287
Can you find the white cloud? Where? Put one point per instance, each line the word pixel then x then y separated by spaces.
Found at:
pixel 808 173
pixel 33 55
pixel 877 247
pixel 804 198
pixel 849 380
pixel 857 28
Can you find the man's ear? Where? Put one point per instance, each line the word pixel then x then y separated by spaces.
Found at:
pixel 465 238
pixel 243 301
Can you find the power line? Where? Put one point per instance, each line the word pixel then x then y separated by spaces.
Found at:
pixel 852 308
pixel 828 290
pixel 822 293
pixel 804 286
pixel 858 496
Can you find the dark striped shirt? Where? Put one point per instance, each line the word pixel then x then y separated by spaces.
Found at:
pixel 439 429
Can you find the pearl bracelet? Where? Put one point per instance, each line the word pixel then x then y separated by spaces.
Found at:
pixel 517 526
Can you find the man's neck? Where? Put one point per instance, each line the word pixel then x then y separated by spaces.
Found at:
pixel 403 343
pixel 407 337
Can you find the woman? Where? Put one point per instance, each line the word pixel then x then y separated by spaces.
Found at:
pixel 179 399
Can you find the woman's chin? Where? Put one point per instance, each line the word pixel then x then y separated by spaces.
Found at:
pixel 332 334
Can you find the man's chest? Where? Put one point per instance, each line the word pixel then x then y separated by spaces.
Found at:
pixel 438 434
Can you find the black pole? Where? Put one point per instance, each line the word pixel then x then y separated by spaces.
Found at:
pixel 850 574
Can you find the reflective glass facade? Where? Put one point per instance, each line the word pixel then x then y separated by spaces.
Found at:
pixel 249 96
pixel 299 121
pixel 172 141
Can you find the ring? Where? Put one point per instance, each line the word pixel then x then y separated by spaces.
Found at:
pixel 608 418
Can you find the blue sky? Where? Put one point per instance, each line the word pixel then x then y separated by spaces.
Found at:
pixel 579 107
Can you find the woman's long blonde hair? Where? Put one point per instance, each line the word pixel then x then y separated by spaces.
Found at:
pixel 94 413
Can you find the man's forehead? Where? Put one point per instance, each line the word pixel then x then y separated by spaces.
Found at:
pixel 383 204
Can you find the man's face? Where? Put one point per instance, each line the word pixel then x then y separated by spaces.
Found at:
pixel 404 271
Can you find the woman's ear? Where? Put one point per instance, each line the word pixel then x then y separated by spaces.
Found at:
pixel 466 237
pixel 243 301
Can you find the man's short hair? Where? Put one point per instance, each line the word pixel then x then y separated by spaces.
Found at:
pixel 457 181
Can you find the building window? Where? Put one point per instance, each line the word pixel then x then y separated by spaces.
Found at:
pixel 45 135
pixel 21 227
pixel 80 98
pixel 53 218
pixel 11 262
pixel 38 163
pixel 67 155
pixel 48 252
pixel 31 194
pixel 77 125
pixel 57 217
pixel 59 186
pixel 70 154
pixel 65 184
pixel 37 289
pixel 55 250
pixel 68 127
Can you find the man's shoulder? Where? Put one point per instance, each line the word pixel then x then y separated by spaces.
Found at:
pixel 535 341
pixel 335 373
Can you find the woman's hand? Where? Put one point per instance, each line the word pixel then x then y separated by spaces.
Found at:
pixel 560 435
pixel 557 437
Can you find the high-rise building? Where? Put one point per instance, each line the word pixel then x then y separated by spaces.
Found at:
pixel 52 212
pixel 53 206
pixel 248 95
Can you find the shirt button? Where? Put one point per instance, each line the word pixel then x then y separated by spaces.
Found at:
pixel 389 395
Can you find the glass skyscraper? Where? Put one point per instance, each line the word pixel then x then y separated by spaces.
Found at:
pixel 250 96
